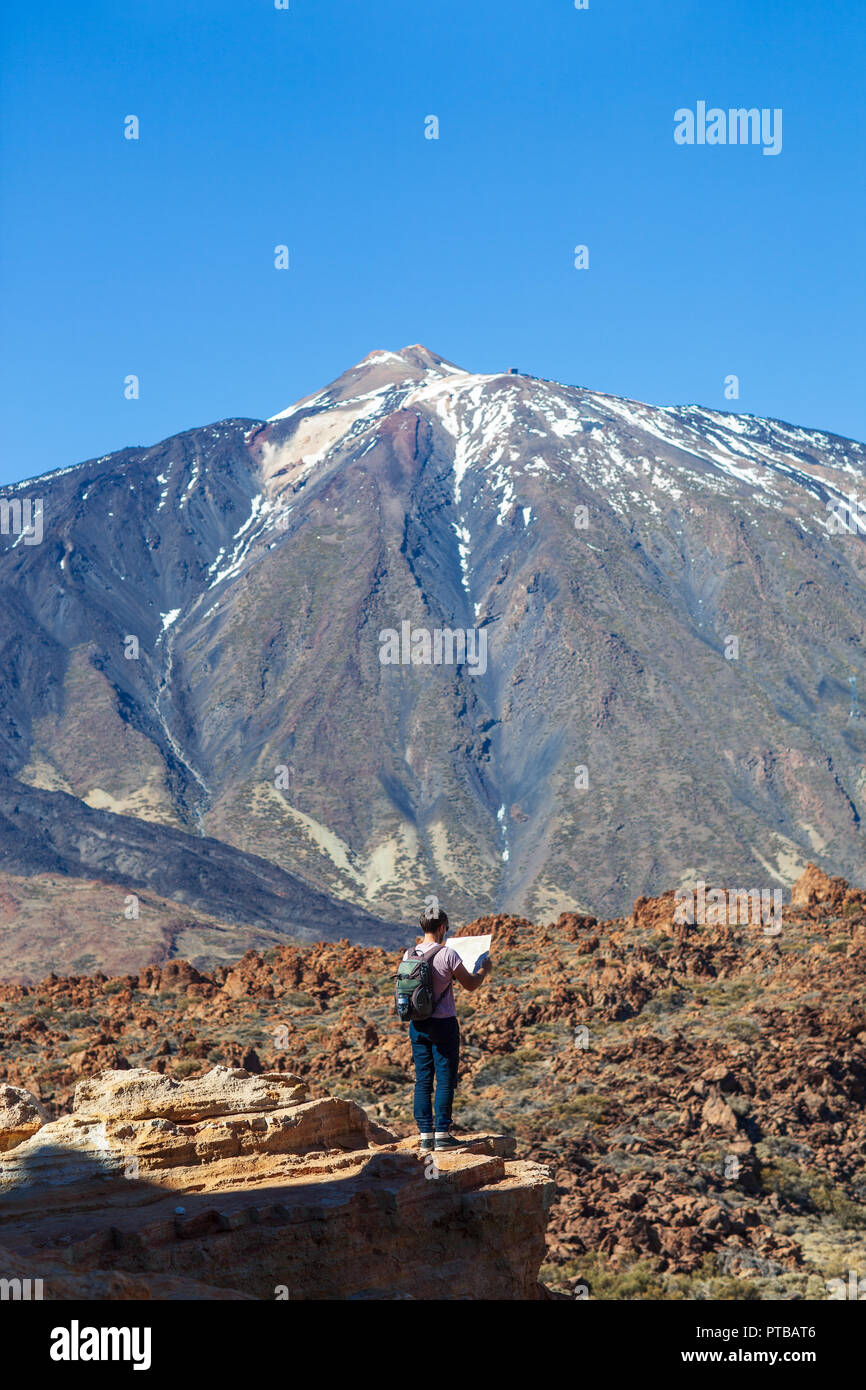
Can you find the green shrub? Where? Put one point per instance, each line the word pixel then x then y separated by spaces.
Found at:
pixel 596 1109
pixel 78 1018
pixel 512 1064
pixel 387 1073
pixel 660 942
pixel 743 1028
pixel 665 1001
pixel 811 1191
pixel 511 962
pixel 186 1067
pixel 642 1281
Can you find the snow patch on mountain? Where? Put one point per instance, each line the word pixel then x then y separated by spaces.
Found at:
pixel 306 404
pixel 464 541
pixel 243 539
pixel 639 457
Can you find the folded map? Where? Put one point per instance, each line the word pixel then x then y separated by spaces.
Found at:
pixel 470 949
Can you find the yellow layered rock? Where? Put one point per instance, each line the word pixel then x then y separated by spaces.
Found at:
pixel 241 1183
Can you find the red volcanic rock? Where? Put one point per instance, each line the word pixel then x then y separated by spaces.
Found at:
pixel 664 1074
pixel 717 1114
pixel 174 977
pixel 572 926
pixel 500 926
pixel 655 914
pixel 814 888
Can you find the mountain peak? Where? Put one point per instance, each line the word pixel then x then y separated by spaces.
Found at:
pixel 379 370
pixel 606 550
pixel 416 355
pixel 420 356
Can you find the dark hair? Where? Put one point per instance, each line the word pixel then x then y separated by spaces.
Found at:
pixel 432 921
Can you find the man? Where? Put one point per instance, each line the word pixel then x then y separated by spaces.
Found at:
pixel 436 1040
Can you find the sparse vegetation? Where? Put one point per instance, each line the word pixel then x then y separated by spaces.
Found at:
pixel 763 1041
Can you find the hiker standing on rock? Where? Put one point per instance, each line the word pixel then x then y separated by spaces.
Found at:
pixel 425 1000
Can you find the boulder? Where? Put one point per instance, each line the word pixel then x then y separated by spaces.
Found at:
pixel 717 1114
pixel 140 1094
pixel 160 1188
pixel 815 888
pixel 21 1115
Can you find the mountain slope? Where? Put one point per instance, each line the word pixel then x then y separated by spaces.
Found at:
pixel 661 601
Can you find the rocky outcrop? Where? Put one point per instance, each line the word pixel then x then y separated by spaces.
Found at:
pixel 245 1183
pixel 45 1276
pixel 662 1071
pixel 21 1115
pixel 814 887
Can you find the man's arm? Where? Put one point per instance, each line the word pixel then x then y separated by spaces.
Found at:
pixel 471 982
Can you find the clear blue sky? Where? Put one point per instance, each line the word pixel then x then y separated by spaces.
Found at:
pixel 306 127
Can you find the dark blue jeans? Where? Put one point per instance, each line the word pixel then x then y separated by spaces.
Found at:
pixel 436 1053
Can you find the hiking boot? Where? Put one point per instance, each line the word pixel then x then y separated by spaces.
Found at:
pixel 425 1143
pixel 447 1141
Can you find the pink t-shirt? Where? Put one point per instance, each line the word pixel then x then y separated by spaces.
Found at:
pixel 443 965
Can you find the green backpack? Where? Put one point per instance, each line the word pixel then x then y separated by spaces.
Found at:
pixel 414 999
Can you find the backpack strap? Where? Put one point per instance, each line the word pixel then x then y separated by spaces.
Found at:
pixel 437 997
pixel 428 956
pixel 434 950
pixel 425 955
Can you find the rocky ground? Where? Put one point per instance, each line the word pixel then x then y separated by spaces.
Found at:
pixel 235 1185
pixel 697 1090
